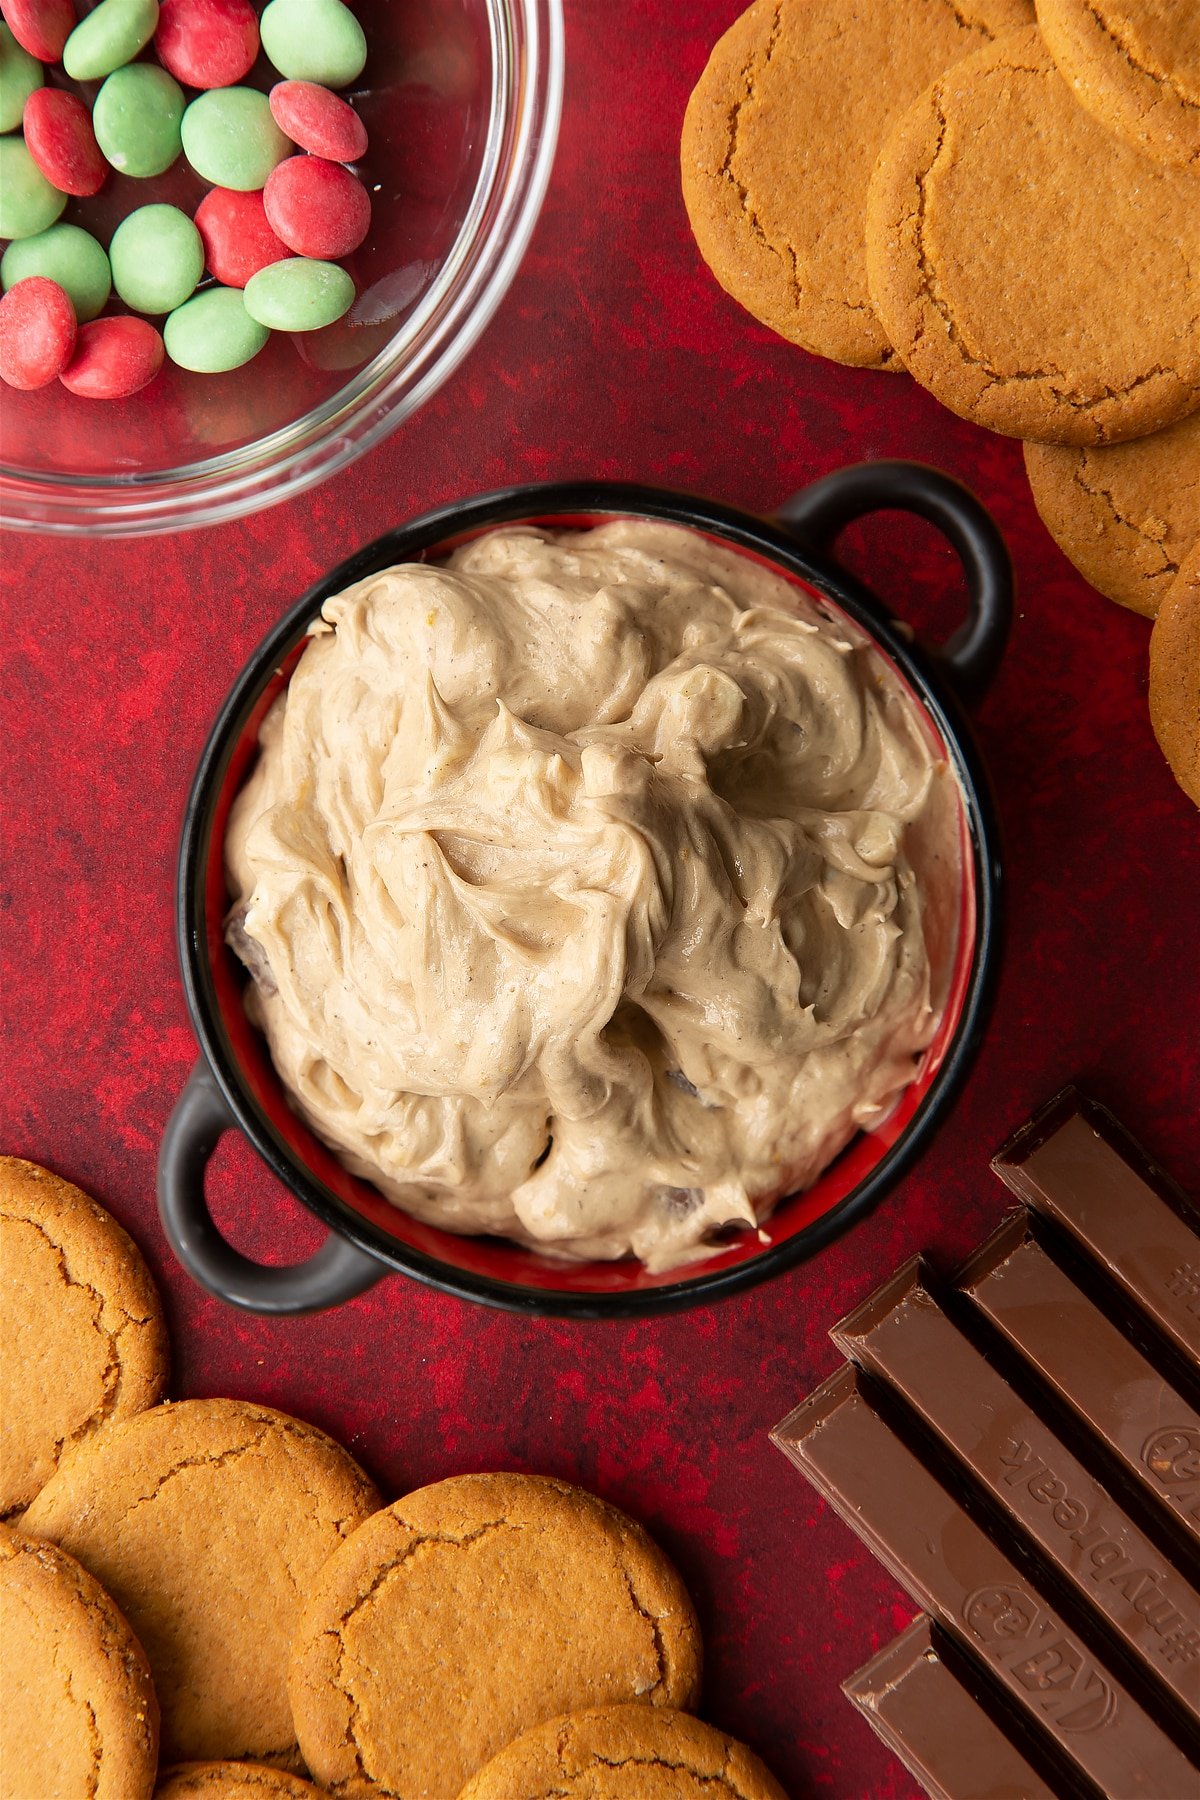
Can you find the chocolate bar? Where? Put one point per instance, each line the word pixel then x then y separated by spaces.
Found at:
pixel 901 1335
pixel 952 1569
pixel 941 1734
pixel 1076 1164
pixel 1095 1370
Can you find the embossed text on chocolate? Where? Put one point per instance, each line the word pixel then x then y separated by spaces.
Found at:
pixel 1105 1559
pixel 1184 1283
pixel 1172 1455
pixel 1013 1629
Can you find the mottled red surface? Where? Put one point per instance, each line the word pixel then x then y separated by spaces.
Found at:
pixel 615 354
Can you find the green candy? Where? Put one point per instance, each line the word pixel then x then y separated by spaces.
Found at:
pixel 20 73
pixel 27 201
pixel 314 40
pixel 109 36
pixel 213 332
pixel 298 294
pixel 66 254
pixel 157 258
pixel 136 119
pixel 230 138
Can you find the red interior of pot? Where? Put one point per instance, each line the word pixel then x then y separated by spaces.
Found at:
pixel 495 1258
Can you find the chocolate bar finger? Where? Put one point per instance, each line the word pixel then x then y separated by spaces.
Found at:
pixel 944 1738
pixel 1090 1365
pixel 1075 1164
pixel 952 1569
pixel 901 1335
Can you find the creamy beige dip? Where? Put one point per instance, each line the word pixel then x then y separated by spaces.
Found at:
pixel 575 879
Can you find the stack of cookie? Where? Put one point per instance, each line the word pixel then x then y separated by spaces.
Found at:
pixel 1010 210
pixel 207 1599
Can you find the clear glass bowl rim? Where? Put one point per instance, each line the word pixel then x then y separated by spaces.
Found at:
pixel 526 104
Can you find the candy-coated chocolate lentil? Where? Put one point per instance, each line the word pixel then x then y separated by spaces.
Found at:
pixel 318 121
pixel 40 26
pixel 317 207
pixel 113 359
pixel 37 333
pixel 213 332
pixel 299 295
pixel 60 139
pixel 207 43
pixel 137 120
pixel 157 258
pixel 20 74
pixel 68 255
pixel 109 37
pixel 230 138
pixel 238 241
pixel 28 203
pixel 314 40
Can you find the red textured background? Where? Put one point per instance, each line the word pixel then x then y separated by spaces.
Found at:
pixel 615 354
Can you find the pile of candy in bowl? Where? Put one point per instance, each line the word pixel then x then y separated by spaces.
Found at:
pixel 144 90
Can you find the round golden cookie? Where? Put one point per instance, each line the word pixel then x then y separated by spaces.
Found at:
pixel 208 1521
pixel 78 1300
pixel 468 1612
pixel 1125 514
pixel 78 1713
pixel 1135 65
pixel 231 1781
pixel 1175 676
pixel 779 140
pixel 624 1753
pixel 1033 270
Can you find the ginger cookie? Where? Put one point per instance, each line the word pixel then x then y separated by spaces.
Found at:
pixel 1125 514
pixel 468 1612
pixel 1033 270
pixel 77 1298
pixel 231 1781
pixel 208 1521
pixel 624 1753
pixel 79 1714
pixel 779 140
pixel 1175 676
pixel 1135 65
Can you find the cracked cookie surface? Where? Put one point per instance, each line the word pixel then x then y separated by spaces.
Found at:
pixel 1175 676
pixel 231 1781
pixel 78 1299
pixel 79 1713
pixel 1135 65
pixel 779 140
pixel 208 1521
pixel 624 1753
pixel 469 1611
pixel 1125 514
pixel 1035 272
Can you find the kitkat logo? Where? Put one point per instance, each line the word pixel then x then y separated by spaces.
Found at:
pixel 1017 1633
pixel 1173 1456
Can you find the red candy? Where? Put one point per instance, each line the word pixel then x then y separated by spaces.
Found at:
pixel 60 139
pixel 317 207
pixel 113 358
pixel 40 26
pixel 318 120
pixel 207 43
pixel 237 239
pixel 37 332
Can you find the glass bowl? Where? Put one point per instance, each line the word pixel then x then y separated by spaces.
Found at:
pixel 461 103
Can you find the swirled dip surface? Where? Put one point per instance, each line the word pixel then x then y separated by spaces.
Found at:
pixel 574 879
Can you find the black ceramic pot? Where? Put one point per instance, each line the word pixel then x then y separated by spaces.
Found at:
pixel 235 1085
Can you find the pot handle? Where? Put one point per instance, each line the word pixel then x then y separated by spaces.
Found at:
pixel 335 1272
pixel 817 515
